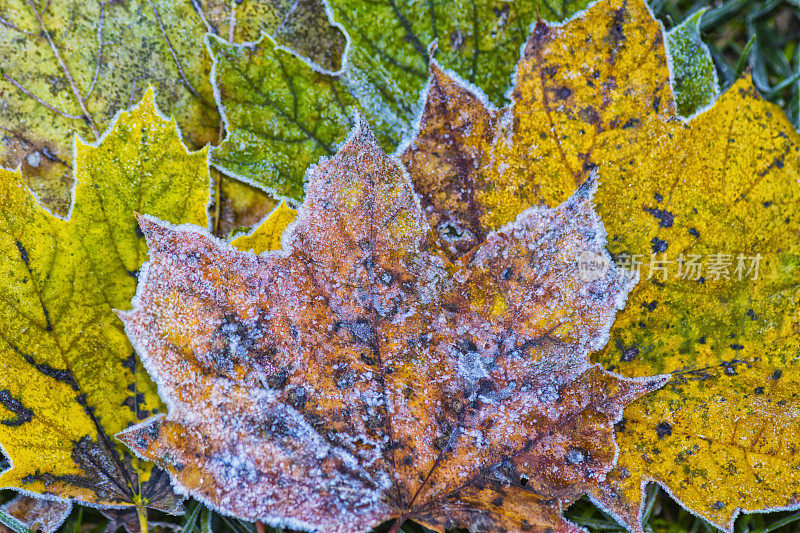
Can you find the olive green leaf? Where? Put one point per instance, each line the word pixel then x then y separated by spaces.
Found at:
pixel 281 114
pixel 694 78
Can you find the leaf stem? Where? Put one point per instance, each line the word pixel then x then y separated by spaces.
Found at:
pixel 260 527
pixel 398 523
pixel 141 511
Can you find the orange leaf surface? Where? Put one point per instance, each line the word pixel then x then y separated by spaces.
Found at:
pixel 359 375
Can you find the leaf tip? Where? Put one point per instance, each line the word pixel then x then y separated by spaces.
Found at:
pixel 140 437
pixel 588 188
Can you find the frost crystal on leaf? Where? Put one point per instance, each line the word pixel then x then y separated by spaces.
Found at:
pixel 358 375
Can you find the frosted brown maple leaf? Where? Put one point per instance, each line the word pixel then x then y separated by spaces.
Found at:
pixel 357 375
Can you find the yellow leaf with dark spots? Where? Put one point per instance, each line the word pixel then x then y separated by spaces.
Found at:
pixel 706 210
pixel 69 378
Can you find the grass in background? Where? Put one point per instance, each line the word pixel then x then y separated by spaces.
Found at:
pixel 763 36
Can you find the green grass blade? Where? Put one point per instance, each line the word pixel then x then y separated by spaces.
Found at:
pixel 13 524
pixel 791 519
pixel 743 58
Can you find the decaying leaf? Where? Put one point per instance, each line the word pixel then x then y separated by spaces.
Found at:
pixel 698 205
pixel 68 67
pixel 358 375
pixel 694 76
pixel 69 379
pixel 36 514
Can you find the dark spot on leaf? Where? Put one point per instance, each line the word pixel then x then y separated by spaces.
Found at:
pixel 563 93
pixel 659 245
pixel 630 353
pixel 362 331
pixel 630 123
pixel 279 379
pixel 130 362
pixel 23 414
pixel 663 429
pixel 665 218
pixel 23 253
pixel 694 233
pixel 777 374
pixel 297 398
pixel 729 368
pixel 758 390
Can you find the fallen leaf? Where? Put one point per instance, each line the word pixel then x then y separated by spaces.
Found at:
pixel 69 379
pixel 68 67
pixel 36 514
pixel 694 76
pixel 357 375
pixel 594 95
pixel 280 113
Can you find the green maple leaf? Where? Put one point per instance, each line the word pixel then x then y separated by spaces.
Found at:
pixel 694 77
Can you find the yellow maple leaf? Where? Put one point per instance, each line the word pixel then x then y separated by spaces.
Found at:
pixel 69 379
pixel 702 204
